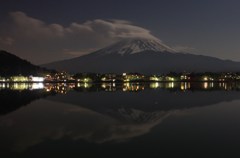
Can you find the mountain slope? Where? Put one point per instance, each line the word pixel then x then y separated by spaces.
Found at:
pixel 144 56
pixel 135 45
pixel 12 65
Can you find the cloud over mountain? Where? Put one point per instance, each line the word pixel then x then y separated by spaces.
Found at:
pixel 41 42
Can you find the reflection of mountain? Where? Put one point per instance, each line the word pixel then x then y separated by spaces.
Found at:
pixel 137 113
pixel 147 101
pixel 68 121
pixel 11 100
pixel 100 117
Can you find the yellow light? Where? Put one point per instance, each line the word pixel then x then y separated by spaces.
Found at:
pixel 171 85
pixel 104 85
pixel 171 79
pixel 205 85
pixel 154 79
pixel 154 85
pixel 182 86
pixel 189 85
pixel 185 85
pixel 86 80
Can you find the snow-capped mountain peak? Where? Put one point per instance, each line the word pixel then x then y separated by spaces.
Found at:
pixel 136 45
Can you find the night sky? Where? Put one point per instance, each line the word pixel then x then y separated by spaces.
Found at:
pixel 45 31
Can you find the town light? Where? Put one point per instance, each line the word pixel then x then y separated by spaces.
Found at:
pixel 37 79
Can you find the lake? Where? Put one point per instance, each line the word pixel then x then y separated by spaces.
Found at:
pixel 172 119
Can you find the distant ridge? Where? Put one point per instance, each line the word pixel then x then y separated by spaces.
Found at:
pixel 148 56
pixel 11 65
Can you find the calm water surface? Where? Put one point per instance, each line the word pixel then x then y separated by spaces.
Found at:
pixel 99 120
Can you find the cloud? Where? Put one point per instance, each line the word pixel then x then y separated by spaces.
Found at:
pixel 39 42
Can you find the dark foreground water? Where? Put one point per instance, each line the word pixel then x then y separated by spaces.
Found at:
pixel 129 120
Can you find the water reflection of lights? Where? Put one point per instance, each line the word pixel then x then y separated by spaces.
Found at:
pixel 132 87
pixel 2 85
pixel 223 85
pixel 37 86
pixel 185 85
pixel 211 85
pixel 48 87
pixel 171 85
pixel 64 88
pixel 188 85
pixel 21 86
pixel 228 86
pixel 154 85
pixel 84 85
pixel 109 87
pixel 205 85
pixel 71 86
pixel 104 85
pixel 208 85
pixel 61 88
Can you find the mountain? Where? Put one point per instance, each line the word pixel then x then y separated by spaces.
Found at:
pixel 135 45
pixel 141 55
pixel 11 65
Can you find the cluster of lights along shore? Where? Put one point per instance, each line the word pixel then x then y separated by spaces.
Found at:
pixel 64 88
pixel 125 77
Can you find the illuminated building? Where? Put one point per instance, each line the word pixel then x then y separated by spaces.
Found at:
pixel 86 77
pixel 131 77
pixel 156 78
pixel 207 78
pixel 169 78
pixel 85 80
pixel 48 78
pixel 36 79
pixel 61 77
pixel 185 77
pixel 3 79
pixel 109 78
pixel 19 79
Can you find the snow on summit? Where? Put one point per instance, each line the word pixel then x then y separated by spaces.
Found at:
pixel 136 45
